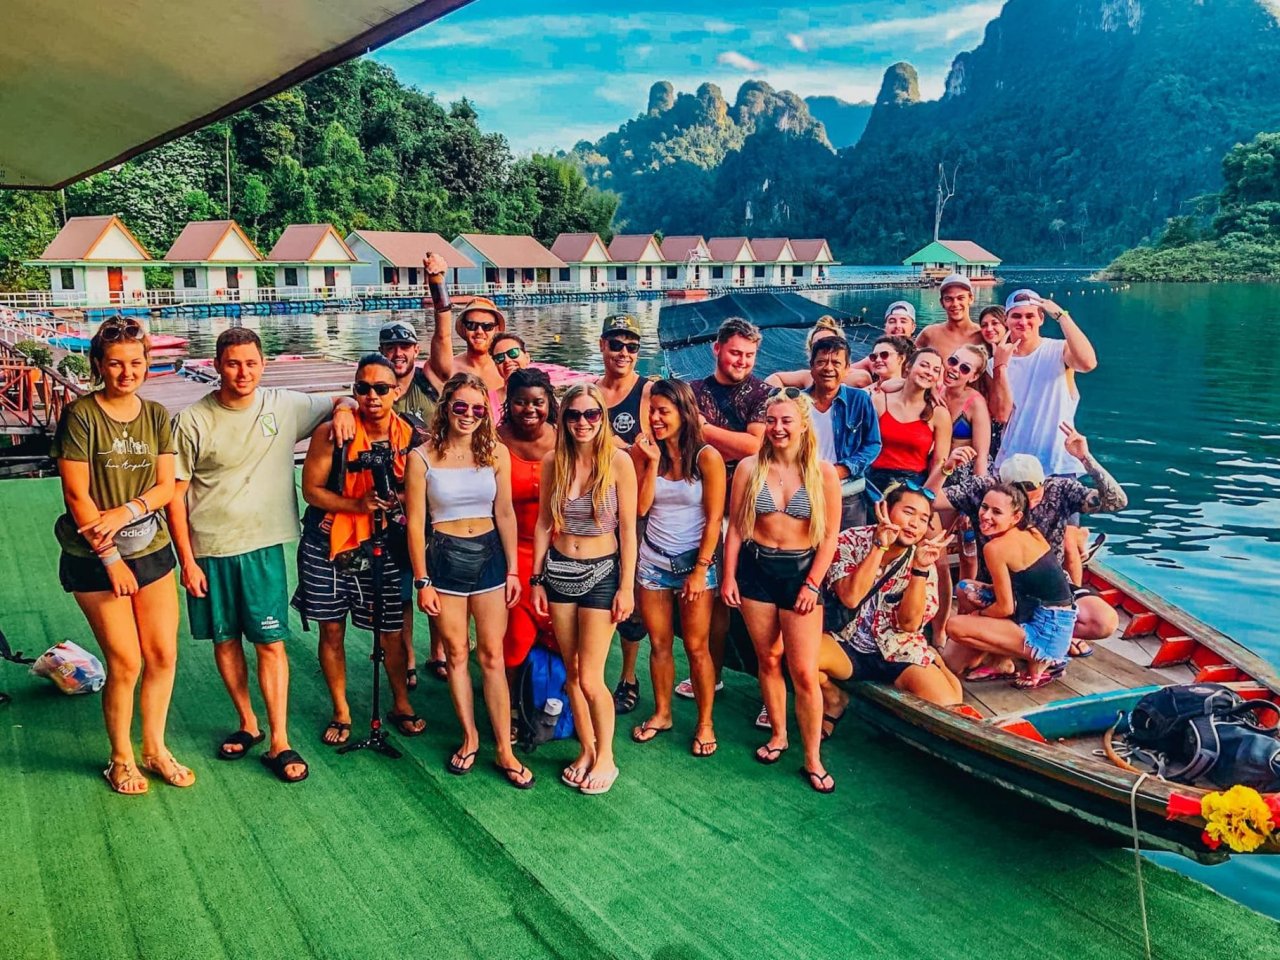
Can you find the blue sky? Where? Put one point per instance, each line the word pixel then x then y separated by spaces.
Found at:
pixel 550 74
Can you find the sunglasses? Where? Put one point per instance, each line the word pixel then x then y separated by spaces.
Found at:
pixel 960 365
pixel 113 331
pixel 512 354
pixel 471 326
pixel 882 355
pixel 617 346
pixel 594 415
pixel 791 393
pixel 913 487
pixel 460 408
pixel 363 388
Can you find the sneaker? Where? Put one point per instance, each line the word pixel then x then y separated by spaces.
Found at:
pixel 762 721
pixel 685 688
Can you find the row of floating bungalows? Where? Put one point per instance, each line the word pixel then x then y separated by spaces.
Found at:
pixel 98 261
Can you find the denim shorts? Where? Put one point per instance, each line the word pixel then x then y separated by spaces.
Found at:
pixel 1049 632
pixel 653 572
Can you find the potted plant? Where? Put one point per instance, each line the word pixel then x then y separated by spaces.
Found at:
pixel 75 367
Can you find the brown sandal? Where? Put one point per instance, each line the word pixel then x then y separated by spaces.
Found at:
pixel 169 770
pixel 131 776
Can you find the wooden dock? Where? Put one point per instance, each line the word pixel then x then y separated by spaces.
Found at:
pixel 307 374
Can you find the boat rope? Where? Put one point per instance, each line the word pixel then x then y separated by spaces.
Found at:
pixel 1109 749
pixel 1137 862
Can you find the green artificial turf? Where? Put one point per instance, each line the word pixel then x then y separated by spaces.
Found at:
pixel 685 858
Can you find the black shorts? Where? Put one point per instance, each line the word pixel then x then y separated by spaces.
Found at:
pixel 773 576
pixel 588 583
pixel 465 566
pixel 871 666
pixel 88 575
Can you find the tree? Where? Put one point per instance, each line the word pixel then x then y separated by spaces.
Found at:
pixel 946 190
pixel 1057 225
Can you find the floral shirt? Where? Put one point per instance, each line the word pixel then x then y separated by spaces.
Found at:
pixel 875 629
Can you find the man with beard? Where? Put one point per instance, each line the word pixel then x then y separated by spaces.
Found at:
pixel 477 324
pixel 233 511
pixel 956 296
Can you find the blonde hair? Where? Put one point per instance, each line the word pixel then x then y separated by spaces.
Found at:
pixel 566 457
pixel 825 323
pixel 809 462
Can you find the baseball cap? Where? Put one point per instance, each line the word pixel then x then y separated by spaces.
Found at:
pixel 900 306
pixel 396 331
pixel 1019 297
pixel 1022 468
pixel 955 280
pixel 620 323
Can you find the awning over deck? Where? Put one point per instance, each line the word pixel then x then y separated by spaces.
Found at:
pixel 87 88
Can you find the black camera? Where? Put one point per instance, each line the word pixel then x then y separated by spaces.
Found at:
pixel 379 462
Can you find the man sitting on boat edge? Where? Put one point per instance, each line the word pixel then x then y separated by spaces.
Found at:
pixel 885 575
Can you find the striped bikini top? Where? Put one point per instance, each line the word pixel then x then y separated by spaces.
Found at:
pixel 797 507
pixel 580 520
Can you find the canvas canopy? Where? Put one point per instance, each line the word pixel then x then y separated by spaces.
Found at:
pixel 85 88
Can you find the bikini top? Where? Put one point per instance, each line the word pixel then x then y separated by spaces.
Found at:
pixel 580 519
pixel 797 507
pixel 962 427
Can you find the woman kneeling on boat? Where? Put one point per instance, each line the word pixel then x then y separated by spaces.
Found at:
pixel 785 510
pixel 115 455
pixel 885 574
pixel 584 552
pixel 1030 613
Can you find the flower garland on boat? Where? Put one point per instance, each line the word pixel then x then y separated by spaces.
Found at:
pixel 1241 817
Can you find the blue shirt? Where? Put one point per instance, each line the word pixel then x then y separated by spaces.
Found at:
pixel 856 428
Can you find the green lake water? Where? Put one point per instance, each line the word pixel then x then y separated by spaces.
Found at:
pixel 1183 409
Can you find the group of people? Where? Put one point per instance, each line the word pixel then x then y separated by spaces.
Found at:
pixel 818 505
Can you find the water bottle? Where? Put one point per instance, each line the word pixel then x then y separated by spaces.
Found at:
pixel 969 544
pixel 548 717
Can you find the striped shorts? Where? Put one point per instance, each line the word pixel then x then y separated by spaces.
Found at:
pixel 326 594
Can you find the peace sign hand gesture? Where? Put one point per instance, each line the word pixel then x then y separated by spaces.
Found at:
pixel 1075 442
pixel 887 531
pixel 930 550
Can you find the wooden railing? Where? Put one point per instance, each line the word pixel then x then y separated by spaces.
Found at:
pixel 32 397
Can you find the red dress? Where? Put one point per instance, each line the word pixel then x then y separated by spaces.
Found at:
pixel 524 627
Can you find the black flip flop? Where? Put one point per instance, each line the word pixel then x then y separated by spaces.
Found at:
pixel 242 739
pixel 458 763
pixel 438 668
pixel 411 679
pixel 283 759
pixel 511 775
pixel 820 781
pixel 834 721
pixel 400 719
pixel 703 745
pixel 771 755
pixel 341 728
pixel 645 728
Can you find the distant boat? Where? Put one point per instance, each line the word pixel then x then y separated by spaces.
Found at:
pixel 76 344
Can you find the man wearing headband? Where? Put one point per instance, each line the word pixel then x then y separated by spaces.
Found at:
pixel 956 296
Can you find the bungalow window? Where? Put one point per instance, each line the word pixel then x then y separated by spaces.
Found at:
pixel 672 272
pixel 797 271
pixel 758 271
pixel 189 277
pixel 68 277
pixel 413 276
pixel 490 274
pixel 390 275
pixel 543 275
pixel 330 276
pixel 717 273
pixel 290 276
pixel 620 273
pixel 564 274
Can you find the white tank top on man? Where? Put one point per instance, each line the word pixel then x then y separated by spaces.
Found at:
pixel 1042 398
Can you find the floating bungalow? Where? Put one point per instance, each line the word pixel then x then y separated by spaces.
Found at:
pixel 312 257
pixel 687 262
pixel 586 258
pixel 816 254
pixel 95 260
pixel 637 259
pixel 507 262
pixel 392 258
pixel 944 257
pixel 732 261
pixel 776 262
pixel 214 258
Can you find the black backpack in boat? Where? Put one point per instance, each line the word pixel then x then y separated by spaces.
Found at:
pixel 1204 731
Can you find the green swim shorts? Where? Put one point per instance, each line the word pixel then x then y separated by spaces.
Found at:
pixel 248 597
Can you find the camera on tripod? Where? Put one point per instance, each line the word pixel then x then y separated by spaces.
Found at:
pixel 379 462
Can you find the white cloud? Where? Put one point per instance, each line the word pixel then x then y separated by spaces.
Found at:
pixel 738 61
pixel 935 30
pixel 490 32
pixel 719 26
pixel 797 42
pixel 561 137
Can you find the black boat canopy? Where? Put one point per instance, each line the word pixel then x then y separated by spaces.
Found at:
pixel 687 330
pixel 85 87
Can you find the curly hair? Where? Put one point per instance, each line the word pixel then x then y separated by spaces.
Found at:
pixel 484 440
pixel 530 378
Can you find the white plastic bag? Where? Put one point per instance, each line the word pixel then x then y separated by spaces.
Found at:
pixel 72 668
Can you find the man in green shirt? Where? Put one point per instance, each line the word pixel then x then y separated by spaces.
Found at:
pixel 234 509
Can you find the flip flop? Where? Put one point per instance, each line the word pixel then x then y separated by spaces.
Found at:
pixel 1051 673
pixel 821 782
pixel 513 776
pixel 242 739
pixel 460 764
pixel 708 748
pixel 771 755
pixel 1077 644
pixel 411 678
pixel 402 721
pixel 638 734
pixel 344 733
pixel 603 784
pixel 987 674
pixel 439 669
pixel 834 721
pixel 283 759
pixel 569 781
pixel 1093 549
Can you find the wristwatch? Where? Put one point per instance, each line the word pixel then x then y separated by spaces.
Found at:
pixel 421 583
pixel 537 579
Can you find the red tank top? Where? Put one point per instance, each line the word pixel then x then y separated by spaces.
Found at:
pixel 526 485
pixel 904 446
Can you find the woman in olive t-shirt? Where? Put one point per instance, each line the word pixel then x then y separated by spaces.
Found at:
pixel 115 455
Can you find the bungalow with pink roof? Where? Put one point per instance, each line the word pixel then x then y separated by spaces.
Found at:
pixel 775 262
pixel 95 261
pixel 687 261
pixel 506 262
pixel 814 254
pixel 732 261
pixel 214 258
pixel 586 259
pixel 312 258
pixel 393 258
pixel 637 259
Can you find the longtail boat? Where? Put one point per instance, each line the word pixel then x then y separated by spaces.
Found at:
pixel 1048 744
